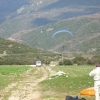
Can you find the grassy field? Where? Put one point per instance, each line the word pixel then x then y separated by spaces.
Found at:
pixel 9 74
pixel 74 79
pixel 56 86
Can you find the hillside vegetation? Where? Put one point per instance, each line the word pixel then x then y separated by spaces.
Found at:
pixel 86 36
pixel 30 14
pixel 15 53
pixel 32 22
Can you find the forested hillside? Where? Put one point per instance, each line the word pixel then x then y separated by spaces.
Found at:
pixel 15 53
pixel 32 22
pixel 85 39
pixel 29 14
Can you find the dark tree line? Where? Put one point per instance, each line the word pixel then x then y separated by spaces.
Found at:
pixel 81 61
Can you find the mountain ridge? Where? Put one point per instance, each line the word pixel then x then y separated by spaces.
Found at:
pixel 45 17
pixel 81 33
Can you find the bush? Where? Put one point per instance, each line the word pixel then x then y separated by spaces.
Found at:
pixel 95 59
pixel 80 60
pixel 60 63
pixel 67 62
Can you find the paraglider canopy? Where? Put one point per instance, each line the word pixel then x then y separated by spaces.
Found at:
pixel 88 91
pixel 61 31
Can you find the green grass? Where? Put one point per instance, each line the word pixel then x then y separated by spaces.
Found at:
pixel 71 83
pixel 9 74
pixel 55 87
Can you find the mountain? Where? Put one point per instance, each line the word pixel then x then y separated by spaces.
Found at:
pixel 9 6
pixel 85 39
pixel 32 22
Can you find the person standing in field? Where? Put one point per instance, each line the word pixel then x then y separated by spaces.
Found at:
pixel 95 73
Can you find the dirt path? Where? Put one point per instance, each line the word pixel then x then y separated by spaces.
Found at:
pixel 27 88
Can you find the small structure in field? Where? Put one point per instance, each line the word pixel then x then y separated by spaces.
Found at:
pixel 38 63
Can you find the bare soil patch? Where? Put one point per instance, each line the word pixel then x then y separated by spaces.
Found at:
pixel 27 88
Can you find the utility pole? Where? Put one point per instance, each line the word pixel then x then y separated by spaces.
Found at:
pixel 62 55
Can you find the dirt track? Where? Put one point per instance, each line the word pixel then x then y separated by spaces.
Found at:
pixel 27 88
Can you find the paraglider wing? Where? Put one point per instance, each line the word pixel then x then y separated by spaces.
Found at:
pixel 88 91
pixel 60 31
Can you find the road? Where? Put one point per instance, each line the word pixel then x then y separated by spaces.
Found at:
pixel 27 87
